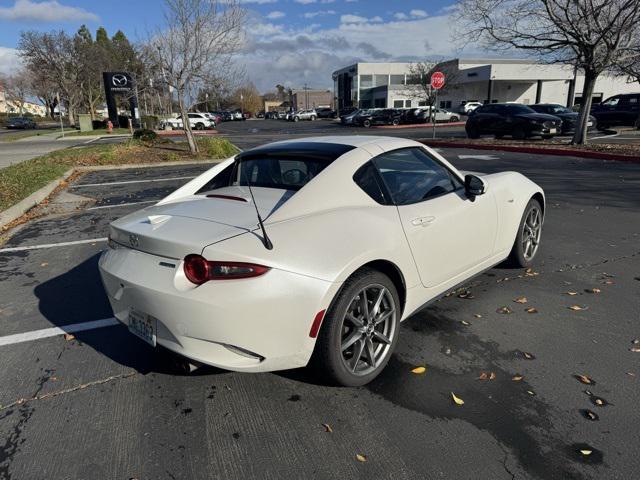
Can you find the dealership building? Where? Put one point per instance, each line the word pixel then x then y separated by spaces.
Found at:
pixel 391 85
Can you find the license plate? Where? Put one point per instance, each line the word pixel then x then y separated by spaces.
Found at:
pixel 143 326
pixel 589 124
pixel 552 130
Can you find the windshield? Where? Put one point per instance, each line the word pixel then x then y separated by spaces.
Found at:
pixel 520 109
pixel 552 109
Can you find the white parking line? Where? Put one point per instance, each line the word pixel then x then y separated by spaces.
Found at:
pixel 123 204
pixel 51 245
pixel 603 136
pixel 52 332
pixel 128 182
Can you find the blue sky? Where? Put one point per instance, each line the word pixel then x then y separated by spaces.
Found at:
pixel 289 41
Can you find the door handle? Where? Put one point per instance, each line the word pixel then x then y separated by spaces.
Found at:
pixel 422 221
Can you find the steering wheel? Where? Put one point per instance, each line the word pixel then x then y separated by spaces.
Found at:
pixel 290 176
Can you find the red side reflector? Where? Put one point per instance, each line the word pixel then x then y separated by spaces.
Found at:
pixel 315 326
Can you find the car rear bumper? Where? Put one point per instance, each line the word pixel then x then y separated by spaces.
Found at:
pixel 251 325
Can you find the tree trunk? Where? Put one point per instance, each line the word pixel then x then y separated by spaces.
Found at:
pixel 580 136
pixel 193 146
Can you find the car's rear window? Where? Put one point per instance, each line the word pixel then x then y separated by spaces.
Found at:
pixel 286 167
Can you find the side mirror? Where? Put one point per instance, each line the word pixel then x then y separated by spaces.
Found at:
pixel 474 185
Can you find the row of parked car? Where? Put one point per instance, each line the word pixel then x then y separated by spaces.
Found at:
pixel 297 115
pixel 396 116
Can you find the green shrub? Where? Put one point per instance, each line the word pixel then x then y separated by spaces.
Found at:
pixel 216 147
pixel 145 135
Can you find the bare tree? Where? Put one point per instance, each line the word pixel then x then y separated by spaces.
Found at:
pixel 56 54
pixel 195 47
pixel 419 80
pixel 45 89
pixel 592 35
pixel 17 88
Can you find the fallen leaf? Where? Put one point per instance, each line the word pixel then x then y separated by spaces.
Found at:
pixel 467 295
pixel 531 310
pixel 458 401
pixel 573 294
pixel 44 264
pixel 517 377
pixel 528 356
pixel 361 458
pixel 483 376
pixel 635 341
pixel 492 376
pixel 586 452
pixel 631 374
pixel 520 300
pixel 586 380
pixel 635 349
pixel 608 282
pixel 589 415
pixel 327 428
pixel 418 370
pixel 593 290
pixel 68 337
pixel 533 394
pixel 504 310
pixel 477 315
pixel 465 323
pixel 577 308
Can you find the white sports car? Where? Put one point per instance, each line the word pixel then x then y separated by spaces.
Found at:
pixel 312 250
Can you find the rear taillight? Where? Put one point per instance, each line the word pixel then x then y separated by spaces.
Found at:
pixel 199 270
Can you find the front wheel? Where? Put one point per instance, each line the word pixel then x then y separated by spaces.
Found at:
pixel 395 122
pixel 296 119
pixel 313 118
pixel 360 330
pixel 366 123
pixel 454 119
pixel 528 237
pixel 199 126
pixel 472 132
pixel 519 133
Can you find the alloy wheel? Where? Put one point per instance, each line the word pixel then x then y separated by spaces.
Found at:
pixel 531 232
pixel 368 327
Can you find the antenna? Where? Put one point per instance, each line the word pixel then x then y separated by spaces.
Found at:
pixel 265 238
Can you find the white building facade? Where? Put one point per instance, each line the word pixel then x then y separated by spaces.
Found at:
pixel 388 85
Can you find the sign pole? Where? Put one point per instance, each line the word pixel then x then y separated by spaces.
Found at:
pixel 433 110
pixel 60 114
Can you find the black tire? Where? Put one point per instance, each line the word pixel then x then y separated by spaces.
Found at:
pixel 327 357
pixel 296 119
pixel 602 127
pixel 499 136
pixel 637 123
pixel 518 133
pixel 199 126
pixel 517 256
pixel 313 118
pixel 472 132
pixel 395 122
pixel 454 119
pixel 366 123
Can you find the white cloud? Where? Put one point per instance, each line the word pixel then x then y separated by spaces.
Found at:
pixel 319 13
pixel 47 11
pixel 259 2
pixel 358 19
pixel 9 60
pixel 417 13
pixel 274 15
pixel 401 16
pixel 305 2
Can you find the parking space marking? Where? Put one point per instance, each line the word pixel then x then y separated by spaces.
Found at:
pixel 51 245
pixel 52 332
pixel 123 204
pixel 128 182
pixel 603 136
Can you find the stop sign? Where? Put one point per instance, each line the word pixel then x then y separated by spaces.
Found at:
pixel 437 80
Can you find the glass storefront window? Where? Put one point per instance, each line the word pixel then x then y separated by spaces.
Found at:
pixel 381 80
pixel 366 81
pixel 397 79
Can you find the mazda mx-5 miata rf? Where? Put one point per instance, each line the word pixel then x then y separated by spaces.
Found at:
pixel 312 251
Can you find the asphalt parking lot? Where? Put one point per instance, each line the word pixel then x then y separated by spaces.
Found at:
pixel 105 405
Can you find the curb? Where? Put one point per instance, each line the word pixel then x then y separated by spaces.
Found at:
pixel 33 200
pixel 176 133
pixel 23 206
pixel 423 125
pixel 547 151
pixel 93 137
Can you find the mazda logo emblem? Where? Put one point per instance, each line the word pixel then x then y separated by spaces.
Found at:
pixel 134 241
pixel 119 80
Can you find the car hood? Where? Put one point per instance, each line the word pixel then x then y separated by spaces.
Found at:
pixel 538 116
pixel 187 226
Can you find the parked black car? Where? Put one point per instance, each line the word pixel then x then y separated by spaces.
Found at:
pixel 621 109
pixel 414 115
pixel 569 117
pixel 20 122
pixel 514 119
pixel 326 113
pixel 386 116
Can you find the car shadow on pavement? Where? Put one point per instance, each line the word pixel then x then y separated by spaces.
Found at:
pixel 78 296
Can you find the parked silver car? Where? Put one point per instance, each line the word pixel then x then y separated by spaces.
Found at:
pixel 303 115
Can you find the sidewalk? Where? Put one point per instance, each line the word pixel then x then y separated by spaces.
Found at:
pixel 31 147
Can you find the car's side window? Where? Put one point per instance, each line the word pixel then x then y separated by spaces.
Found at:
pixel 367 179
pixel 411 175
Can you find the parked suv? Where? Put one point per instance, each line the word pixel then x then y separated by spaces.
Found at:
pixel 304 115
pixel 514 119
pixel 326 113
pixel 468 107
pixel 197 121
pixel 386 116
pixel 621 109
